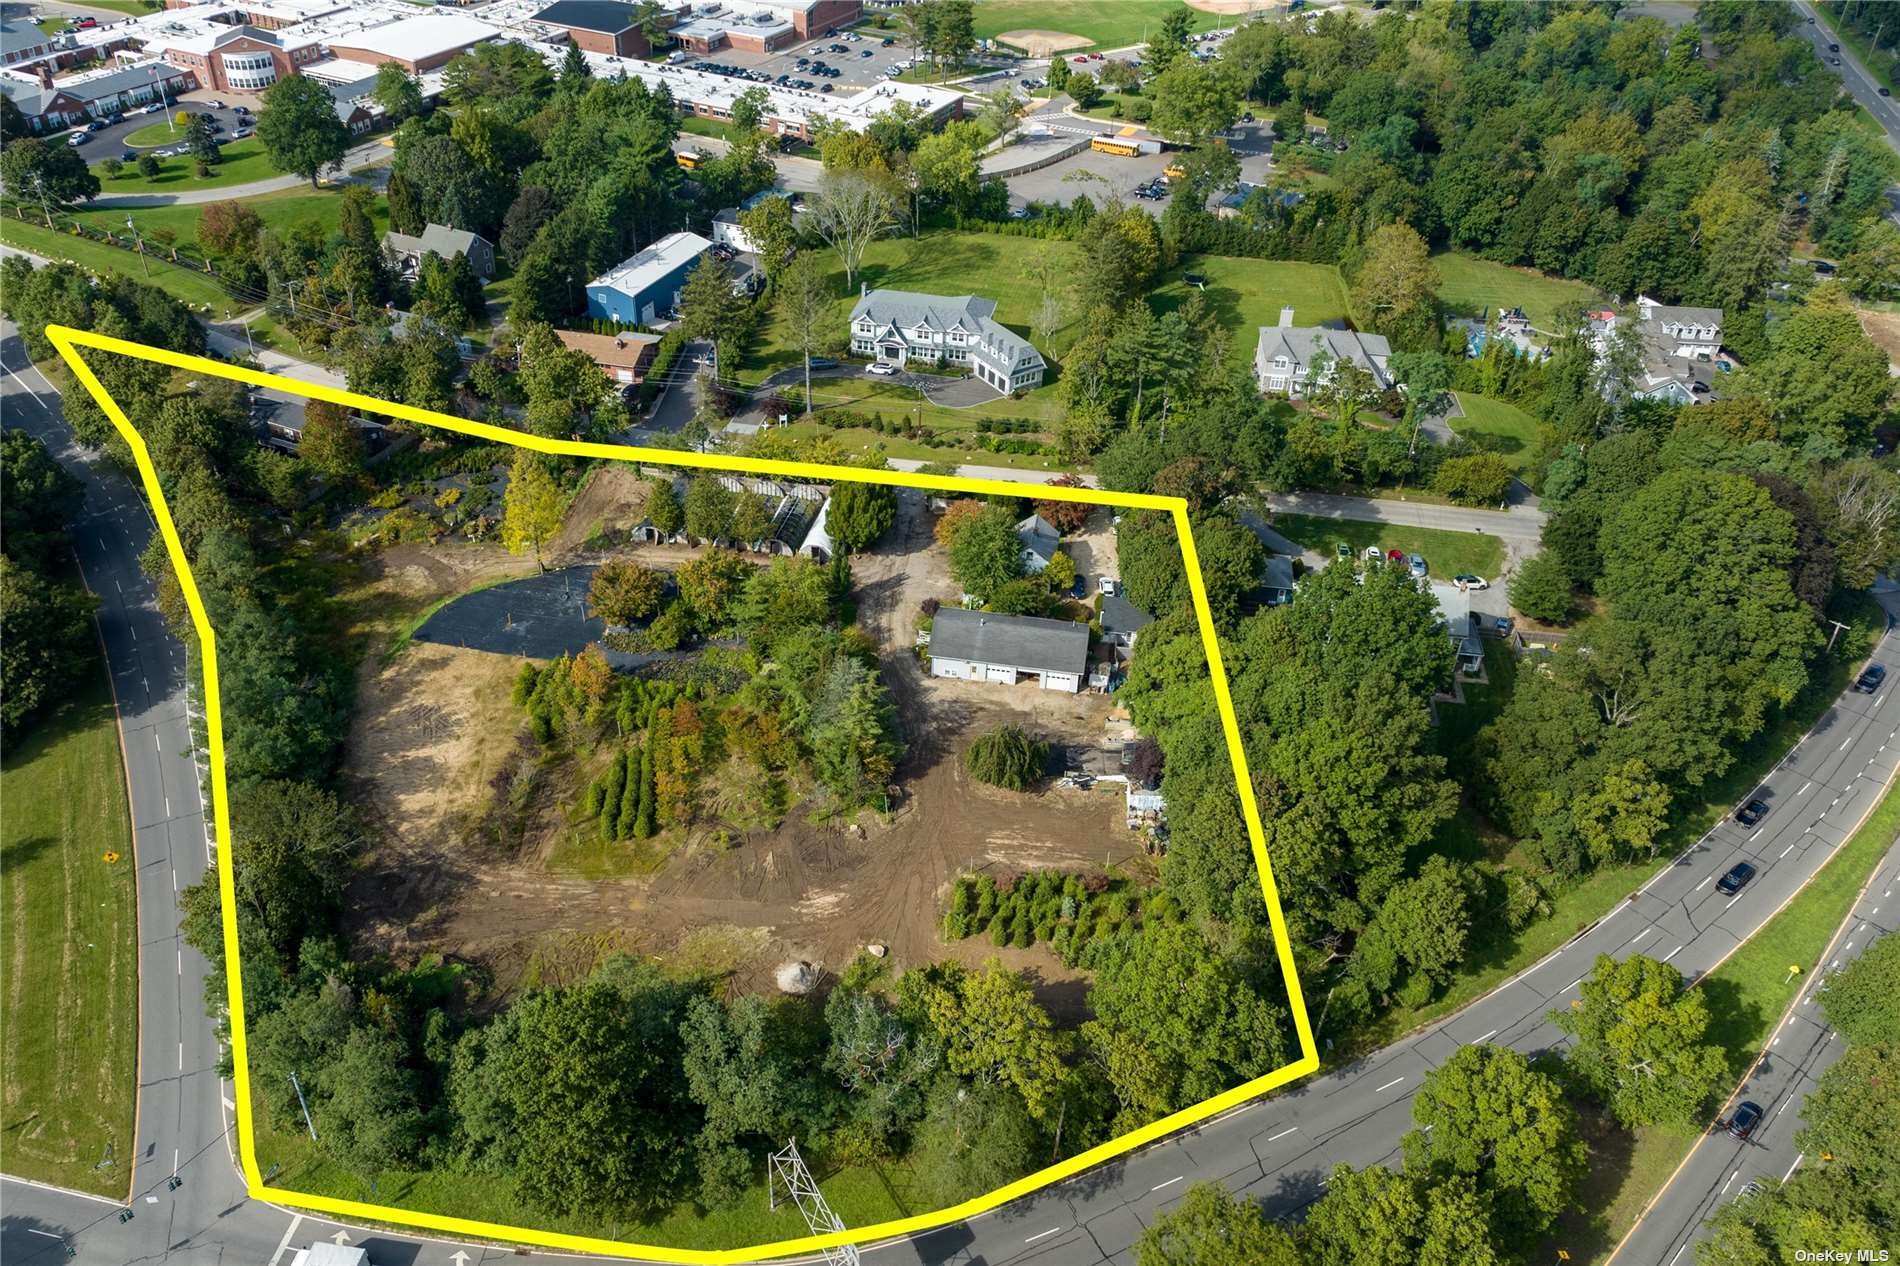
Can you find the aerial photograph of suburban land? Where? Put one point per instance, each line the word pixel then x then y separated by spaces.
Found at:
pixel 1156 632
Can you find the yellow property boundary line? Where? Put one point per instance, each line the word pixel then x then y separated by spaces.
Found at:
pixel 68 341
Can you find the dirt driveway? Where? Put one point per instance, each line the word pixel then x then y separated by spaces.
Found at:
pixel 435 727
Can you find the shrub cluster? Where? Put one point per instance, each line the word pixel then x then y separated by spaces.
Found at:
pixel 1068 912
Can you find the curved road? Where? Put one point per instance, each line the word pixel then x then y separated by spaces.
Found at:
pixel 1279 1149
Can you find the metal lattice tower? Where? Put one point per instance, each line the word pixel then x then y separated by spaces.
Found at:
pixel 787 1175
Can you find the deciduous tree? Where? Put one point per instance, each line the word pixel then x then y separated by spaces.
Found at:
pixel 1638 1043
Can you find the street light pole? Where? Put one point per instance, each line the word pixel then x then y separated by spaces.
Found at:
pixel 144 263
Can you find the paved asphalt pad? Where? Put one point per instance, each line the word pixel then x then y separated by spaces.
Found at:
pixel 541 617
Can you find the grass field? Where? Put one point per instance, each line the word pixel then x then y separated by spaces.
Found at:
pixel 184 284
pixel 1246 294
pixel 244 162
pixel 69 975
pixel 278 211
pixel 1446 553
pixel 1747 996
pixel 131 8
pixel 1468 286
pixel 1117 25
pixel 1501 428
pixel 988 265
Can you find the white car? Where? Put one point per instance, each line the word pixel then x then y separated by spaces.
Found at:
pixel 882 369
pixel 1108 586
pixel 1472 583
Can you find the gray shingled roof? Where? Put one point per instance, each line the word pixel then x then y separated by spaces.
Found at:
pixel 1038 535
pixel 1296 343
pixel 1119 615
pixel 1025 642
pixel 1278 573
pixel 909 308
pixel 438 238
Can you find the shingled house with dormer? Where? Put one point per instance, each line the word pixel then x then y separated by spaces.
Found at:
pixel 896 327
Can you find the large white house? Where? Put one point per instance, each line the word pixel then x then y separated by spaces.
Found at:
pixel 1295 359
pixel 1681 359
pixel 899 326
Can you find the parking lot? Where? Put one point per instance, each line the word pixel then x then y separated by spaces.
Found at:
pixel 110 142
pixel 861 64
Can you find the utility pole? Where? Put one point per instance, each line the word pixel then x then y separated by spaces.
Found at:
pixel 144 263
pixel 787 1170
pixel 307 1124
pixel 1838 626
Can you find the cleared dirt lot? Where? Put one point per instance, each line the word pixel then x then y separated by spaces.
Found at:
pixel 435 726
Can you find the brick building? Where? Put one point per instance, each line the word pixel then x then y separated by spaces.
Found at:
pixel 598 26
pixel 239 58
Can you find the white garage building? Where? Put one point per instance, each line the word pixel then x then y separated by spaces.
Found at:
pixel 1007 649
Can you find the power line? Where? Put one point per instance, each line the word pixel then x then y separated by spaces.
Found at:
pixel 787 1170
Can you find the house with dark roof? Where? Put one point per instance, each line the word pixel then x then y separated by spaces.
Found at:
pixel 1680 356
pixel 1040 542
pixel 1295 359
pixel 1008 649
pixel 1276 580
pixel 440 239
pixel 896 327
pixel 1122 623
pixel 607 27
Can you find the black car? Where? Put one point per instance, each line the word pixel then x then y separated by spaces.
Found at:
pixel 1751 813
pixel 1885 92
pixel 1735 879
pixel 886 42
pixel 1869 680
pixel 1744 1119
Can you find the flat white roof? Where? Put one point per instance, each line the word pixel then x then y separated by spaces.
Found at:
pixel 425 35
pixel 637 272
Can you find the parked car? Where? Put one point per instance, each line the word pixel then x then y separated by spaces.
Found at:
pixel 1735 879
pixel 97 125
pixel 1751 813
pixel 1395 556
pixel 1417 564
pixel 1080 61
pixel 127 156
pixel 1870 678
pixel 825 87
pixel 823 362
pixel 79 138
pixel 1374 555
pixel 1343 551
pixel 1744 1119
pixel 153 108
pixel 1108 586
pixel 882 369
pixel 1474 583
pixel 216 105
pixel 85 24
pixel 243 132
pixel 886 42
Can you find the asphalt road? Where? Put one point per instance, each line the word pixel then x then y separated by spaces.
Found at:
pixel 1721 1167
pixel 1278 1149
pixel 1864 86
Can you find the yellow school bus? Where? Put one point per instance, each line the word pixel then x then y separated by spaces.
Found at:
pixel 686 159
pixel 1114 145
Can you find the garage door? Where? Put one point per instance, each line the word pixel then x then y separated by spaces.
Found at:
pixel 1001 673
pixel 1061 681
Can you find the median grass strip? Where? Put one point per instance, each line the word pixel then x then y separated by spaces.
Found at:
pixel 69 972
pixel 1748 995
pixel 1447 553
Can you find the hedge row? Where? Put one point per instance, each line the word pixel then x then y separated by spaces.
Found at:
pixel 1069 912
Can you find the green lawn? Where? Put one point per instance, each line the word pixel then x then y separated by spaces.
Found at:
pixel 1446 553
pixel 987 265
pixel 184 284
pixel 1747 996
pixel 278 211
pixel 164 132
pixel 131 8
pixel 1498 427
pixel 1468 286
pixel 1246 294
pixel 1117 25
pixel 244 162
pixel 69 974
